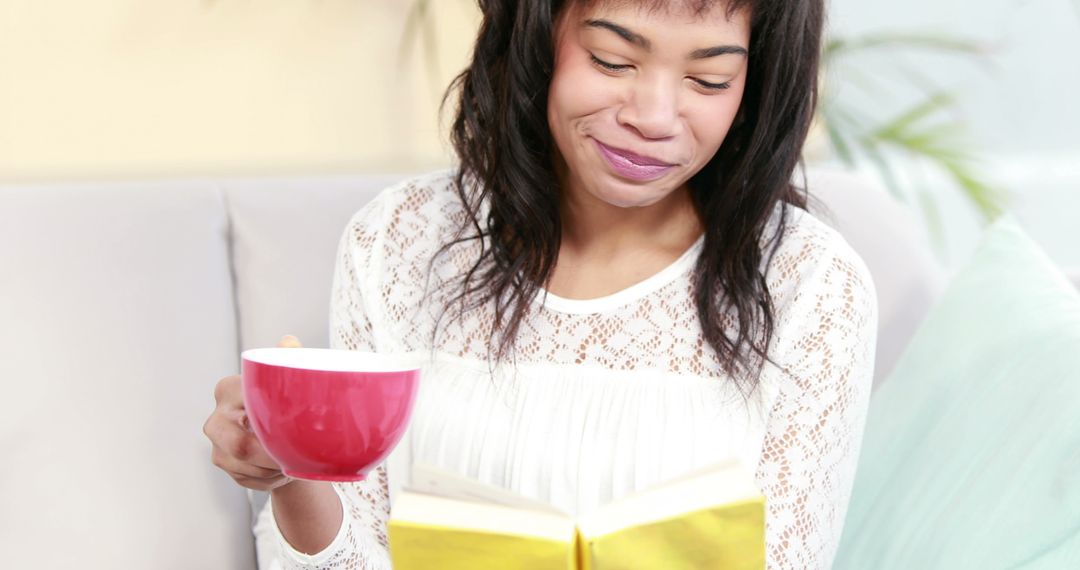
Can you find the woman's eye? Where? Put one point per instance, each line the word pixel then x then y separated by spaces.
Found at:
pixel 608 66
pixel 712 86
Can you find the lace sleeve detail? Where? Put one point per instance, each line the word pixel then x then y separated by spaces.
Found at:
pixel 356 276
pixel 361 542
pixel 825 349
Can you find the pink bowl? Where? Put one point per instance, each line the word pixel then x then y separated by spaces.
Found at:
pixel 328 415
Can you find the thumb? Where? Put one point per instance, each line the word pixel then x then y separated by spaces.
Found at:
pixel 289 341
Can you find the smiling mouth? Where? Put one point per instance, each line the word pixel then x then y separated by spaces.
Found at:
pixel 633 166
pixel 637 159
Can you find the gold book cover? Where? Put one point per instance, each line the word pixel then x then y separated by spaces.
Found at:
pixel 711 518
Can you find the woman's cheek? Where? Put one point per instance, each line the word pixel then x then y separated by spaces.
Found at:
pixel 715 120
pixel 584 89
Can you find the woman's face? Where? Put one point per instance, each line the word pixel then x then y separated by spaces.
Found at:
pixel 640 100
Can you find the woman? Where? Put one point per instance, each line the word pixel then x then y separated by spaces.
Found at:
pixel 618 285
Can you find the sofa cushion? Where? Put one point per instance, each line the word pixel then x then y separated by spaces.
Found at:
pixel 117 315
pixel 972 446
pixel 285 234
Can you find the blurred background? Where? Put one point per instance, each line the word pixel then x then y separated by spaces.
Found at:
pixel 981 97
pixel 175 174
pixel 122 88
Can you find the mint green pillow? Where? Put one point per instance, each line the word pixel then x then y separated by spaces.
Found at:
pixel 971 455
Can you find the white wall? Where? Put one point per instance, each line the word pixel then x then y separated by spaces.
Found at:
pixel 129 88
pixel 1022 111
pixel 161 88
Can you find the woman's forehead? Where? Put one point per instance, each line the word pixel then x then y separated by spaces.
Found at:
pixel 696 8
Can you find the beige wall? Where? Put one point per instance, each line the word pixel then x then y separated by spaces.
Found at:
pixel 137 88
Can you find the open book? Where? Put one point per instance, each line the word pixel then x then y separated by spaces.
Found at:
pixel 712 518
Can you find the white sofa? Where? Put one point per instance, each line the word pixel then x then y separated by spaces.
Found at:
pixel 122 304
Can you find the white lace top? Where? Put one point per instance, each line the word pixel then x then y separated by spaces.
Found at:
pixel 610 395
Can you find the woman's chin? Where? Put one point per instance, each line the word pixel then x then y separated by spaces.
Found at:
pixel 618 191
pixel 630 196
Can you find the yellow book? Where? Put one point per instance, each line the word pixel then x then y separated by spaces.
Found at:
pixel 712 518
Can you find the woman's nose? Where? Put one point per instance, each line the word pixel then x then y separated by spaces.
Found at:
pixel 652 110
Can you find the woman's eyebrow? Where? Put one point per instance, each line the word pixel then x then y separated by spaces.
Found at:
pixel 632 37
pixel 714 51
pixel 643 42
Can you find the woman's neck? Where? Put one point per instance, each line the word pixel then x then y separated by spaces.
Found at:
pixel 606 248
pixel 596 229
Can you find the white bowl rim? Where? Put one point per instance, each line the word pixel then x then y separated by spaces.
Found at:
pixel 330 360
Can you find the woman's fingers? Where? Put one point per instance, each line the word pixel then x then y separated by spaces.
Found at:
pixel 236 450
pixel 250 476
pixel 258 456
pixel 289 341
pixel 237 468
pixel 229 393
pixel 227 435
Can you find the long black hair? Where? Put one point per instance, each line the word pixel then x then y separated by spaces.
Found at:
pixel 502 138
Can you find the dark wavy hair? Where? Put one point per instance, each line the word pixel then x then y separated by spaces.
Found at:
pixel 501 136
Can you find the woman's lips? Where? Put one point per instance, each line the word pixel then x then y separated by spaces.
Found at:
pixel 631 165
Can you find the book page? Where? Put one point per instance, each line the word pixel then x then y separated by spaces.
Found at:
pixel 432 480
pixel 441 514
pixel 718 485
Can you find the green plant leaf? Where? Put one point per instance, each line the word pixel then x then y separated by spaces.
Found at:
pixel 934 225
pixel 837 47
pixel 885 170
pixel 900 125
pixel 916 133
pixel 842 128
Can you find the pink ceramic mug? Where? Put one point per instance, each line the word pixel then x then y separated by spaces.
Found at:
pixel 327 415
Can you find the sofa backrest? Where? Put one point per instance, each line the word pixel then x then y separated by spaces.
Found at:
pixel 118 320
pixel 284 236
pixel 123 304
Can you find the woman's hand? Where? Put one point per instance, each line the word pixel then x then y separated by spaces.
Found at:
pixel 308 513
pixel 236 449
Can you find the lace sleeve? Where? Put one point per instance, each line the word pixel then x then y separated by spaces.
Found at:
pixel 825 348
pixel 361 542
